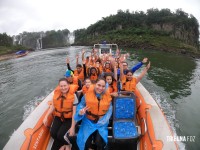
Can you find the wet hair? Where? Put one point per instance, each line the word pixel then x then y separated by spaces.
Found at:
pixel 111 75
pixel 98 60
pixel 63 79
pixel 125 62
pixel 93 68
pixel 101 78
pixel 117 64
pixel 107 63
pixel 129 71
pixel 79 65
pixel 113 79
pixel 87 79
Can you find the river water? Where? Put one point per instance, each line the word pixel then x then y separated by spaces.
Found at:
pixel 173 81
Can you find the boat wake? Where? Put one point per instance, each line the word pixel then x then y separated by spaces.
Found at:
pixel 30 106
pixel 169 112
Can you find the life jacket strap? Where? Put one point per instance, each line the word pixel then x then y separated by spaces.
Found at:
pixel 93 115
pixel 62 114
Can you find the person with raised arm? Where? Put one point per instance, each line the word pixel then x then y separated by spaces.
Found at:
pixel 128 81
pixel 133 69
pixel 73 80
pixel 79 72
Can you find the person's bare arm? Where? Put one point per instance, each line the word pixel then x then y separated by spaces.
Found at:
pixel 72 129
pixel 121 71
pixel 143 72
pixel 83 53
pixel 50 111
pixel 77 57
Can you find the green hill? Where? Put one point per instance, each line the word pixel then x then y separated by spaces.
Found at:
pixel 155 29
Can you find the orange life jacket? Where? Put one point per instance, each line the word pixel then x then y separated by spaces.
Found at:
pixel 108 70
pixel 91 63
pixel 100 68
pixel 75 80
pixel 93 77
pixel 97 108
pixel 80 75
pixel 84 89
pixel 113 88
pixel 64 103
pixel 129 85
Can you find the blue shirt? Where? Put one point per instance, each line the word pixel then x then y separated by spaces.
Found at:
pixel 136 67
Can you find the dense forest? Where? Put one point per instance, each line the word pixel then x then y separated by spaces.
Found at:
pixel 6 44
pixel 155 29
pixel 34 40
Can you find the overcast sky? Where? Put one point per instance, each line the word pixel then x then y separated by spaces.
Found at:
pixel 17 16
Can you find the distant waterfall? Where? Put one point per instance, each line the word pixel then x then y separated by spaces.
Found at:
pixel 14 39
pixel 71 38
pixel 39 43
pixel 20 40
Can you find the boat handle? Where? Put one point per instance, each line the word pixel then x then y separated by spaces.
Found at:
pixel 145 126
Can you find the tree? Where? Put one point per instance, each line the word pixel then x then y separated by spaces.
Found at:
pixel 5 40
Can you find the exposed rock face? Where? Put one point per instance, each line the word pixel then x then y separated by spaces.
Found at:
pixel 168 27
pixel 119 27
pixel 178 32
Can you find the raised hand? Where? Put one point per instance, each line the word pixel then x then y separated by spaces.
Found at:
pixel 67 60
pixel 77 56
pixel 90 58
pixel 83 110
pixel 144 60
pixel 84 61
pixel 148 66
pixel 83 51
pixel 122 58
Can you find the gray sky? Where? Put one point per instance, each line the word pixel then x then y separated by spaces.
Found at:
pixel 17 16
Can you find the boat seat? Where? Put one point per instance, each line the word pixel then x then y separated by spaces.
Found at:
pixel 124 117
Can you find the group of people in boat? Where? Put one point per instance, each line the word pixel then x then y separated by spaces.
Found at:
pixel 84 98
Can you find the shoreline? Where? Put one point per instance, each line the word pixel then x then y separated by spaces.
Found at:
pixel 186 53
pixel 7 56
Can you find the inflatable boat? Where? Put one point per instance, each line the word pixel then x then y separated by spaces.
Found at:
pixel 137 123
pixel 21 53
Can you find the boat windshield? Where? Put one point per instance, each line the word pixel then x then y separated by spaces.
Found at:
pixel 106 48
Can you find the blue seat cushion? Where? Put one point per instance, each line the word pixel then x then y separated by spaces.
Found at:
pixel 124 130
pixel 124 108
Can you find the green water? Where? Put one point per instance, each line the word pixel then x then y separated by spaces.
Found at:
pixel 173 81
